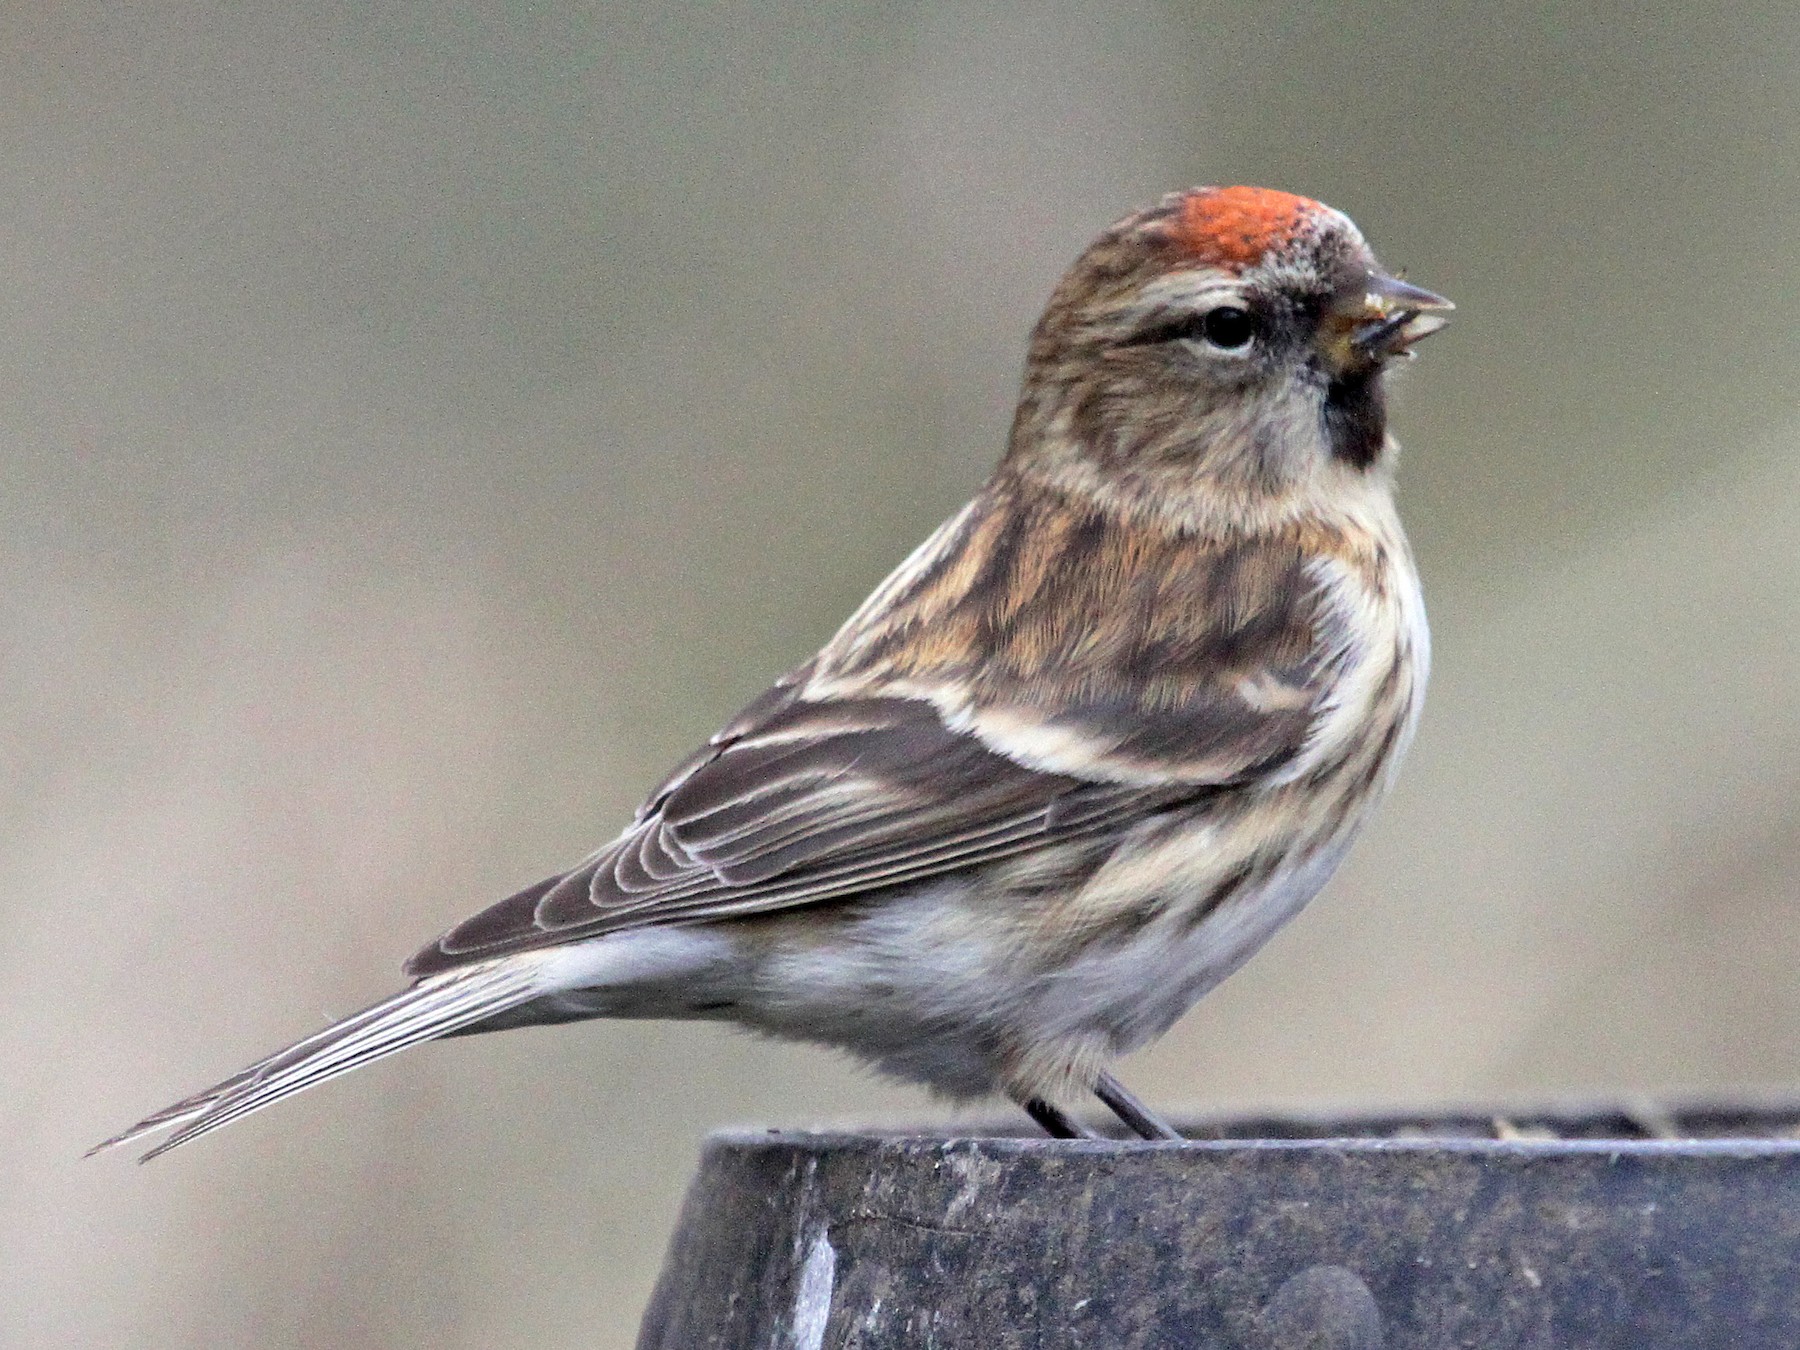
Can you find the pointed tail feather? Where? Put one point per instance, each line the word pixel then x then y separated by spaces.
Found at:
pixel 437 1006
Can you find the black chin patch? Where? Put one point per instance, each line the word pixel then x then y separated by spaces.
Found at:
pixel 1356 417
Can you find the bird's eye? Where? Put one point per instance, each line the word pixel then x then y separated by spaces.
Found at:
pixel 1228 328
pixel 1225 328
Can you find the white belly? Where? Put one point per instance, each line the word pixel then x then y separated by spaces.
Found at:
pixel 926 991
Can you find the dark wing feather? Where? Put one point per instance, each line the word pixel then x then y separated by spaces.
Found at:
pixel 1143 668
pixel 809 802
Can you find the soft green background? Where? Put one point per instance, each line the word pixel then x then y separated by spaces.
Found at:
pixel 421 423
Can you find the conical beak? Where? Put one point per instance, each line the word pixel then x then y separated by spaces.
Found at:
pixel 1389 315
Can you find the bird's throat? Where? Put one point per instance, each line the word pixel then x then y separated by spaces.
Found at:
pixel 1355 417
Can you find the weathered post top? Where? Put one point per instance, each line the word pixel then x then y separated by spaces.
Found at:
pixel 1576 1228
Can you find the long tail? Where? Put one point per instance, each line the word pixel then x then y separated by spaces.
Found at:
pixel 437 1006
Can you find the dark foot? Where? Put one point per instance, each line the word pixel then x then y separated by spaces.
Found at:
pixel 1056 1122
pixel 1138 1118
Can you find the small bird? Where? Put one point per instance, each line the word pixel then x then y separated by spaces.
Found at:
pixel 1073 762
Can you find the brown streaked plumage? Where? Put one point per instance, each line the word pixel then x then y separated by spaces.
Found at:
pixel 1074 761
pixel 1135 638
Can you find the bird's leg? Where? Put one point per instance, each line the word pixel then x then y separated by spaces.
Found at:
pixel 1056 1122
pixel 1138 1118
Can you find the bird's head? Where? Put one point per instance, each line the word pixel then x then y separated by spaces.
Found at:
pixel 1234 337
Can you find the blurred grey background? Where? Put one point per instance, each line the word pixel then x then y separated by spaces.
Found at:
pixel 422 423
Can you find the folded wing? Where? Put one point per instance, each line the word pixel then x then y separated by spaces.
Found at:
pixel 811 803
pixel 987 701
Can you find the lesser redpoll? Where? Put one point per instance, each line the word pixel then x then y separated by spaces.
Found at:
pixel 1068 767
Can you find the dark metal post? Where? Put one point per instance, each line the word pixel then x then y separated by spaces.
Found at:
pixel 1570 1230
